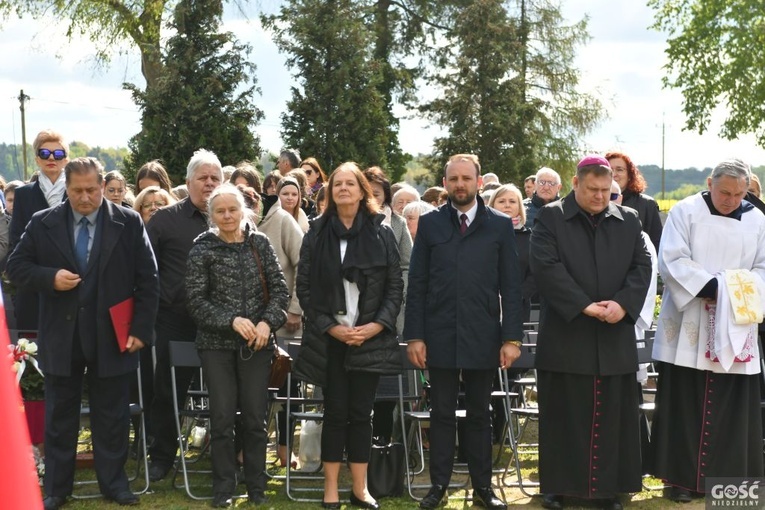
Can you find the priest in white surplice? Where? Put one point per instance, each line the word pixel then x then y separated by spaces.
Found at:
pixel 712 260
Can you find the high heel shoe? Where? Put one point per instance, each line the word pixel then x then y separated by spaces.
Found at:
pixel 331 506
pixel 371 505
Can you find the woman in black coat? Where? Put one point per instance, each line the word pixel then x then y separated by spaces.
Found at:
pixel 349 259
pixel 508 199
pixel 632 183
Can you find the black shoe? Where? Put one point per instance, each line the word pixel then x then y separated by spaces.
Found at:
pixel 332 506
pixel 222 500
pixel 371 505
pixel 678 494
pixel 257 497
pixel 551 502
pixel 485 497
pixel 613 504
pixel 158 471
pixel 124 498
pixel 434 498
pixel 54 502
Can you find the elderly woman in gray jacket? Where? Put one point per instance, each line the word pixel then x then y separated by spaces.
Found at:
pixel 230 269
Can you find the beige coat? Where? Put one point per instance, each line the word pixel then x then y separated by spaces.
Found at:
pixel 286 237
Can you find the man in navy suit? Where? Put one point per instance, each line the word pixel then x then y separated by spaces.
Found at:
pixel 49 190
pixel 463 318
pixel 83 257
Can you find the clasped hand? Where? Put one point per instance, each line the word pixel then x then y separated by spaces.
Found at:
pixel 355 336
pixel 606 311
pixel 256 336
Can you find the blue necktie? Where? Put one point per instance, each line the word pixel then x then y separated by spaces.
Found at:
pixel 81 245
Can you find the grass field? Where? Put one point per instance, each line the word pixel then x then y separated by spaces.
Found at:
pixel 164 496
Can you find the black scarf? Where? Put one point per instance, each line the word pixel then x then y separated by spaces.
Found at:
pixel 366 250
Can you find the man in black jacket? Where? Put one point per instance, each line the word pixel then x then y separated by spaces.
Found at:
pixel 83 257
pixel 463 317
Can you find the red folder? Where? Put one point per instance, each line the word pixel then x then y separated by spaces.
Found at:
pixel 122 317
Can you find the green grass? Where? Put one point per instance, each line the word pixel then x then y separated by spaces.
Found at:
pixel 164 496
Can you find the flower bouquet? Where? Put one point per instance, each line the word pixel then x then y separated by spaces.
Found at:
pixel 30 380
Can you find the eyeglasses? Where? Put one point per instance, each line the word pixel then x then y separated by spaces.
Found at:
pixel 149 205
pixel 308 171
pixel 543 183
pixel 115 191
pixel 615 196
pixel 58 154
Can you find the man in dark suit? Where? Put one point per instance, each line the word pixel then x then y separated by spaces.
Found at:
pixel 463 317
pixel 49 190
pixel 83 257
pixel 592 270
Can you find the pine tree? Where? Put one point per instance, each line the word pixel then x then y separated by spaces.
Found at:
pixel 509 88
pixel 336 112
pixel 205 99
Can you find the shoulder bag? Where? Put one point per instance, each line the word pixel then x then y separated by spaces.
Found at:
pixel 282 362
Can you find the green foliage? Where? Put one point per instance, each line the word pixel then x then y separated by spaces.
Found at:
pixel 716 57
pixel 108 25
pixel 337 112
pixel 32 384
pixel 205 98
pixel 520 108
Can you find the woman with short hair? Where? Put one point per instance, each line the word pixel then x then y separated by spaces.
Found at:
pixel 151 200
pixel 237 296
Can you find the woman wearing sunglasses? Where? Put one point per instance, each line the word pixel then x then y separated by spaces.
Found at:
pixel 51 156
pixel 316 176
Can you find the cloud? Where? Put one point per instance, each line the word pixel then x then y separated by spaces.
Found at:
pixel 622 63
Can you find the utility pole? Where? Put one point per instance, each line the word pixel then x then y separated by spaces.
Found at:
pixel 22 99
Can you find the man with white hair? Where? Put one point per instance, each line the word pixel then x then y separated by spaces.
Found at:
pixel 172 231
pixel 712 260
pixel 405 195
pixel 489 178
pixel 546 189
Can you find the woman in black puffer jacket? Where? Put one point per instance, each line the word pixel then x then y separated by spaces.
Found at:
pixel 350 288
pixel 229 269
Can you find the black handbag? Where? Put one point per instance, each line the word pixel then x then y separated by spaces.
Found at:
pixel 385 473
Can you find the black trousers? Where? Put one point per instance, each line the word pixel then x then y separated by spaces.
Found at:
pixel 348 401
pixel 168 328
pixel 444 390
pixel 238 380
pixel 109 421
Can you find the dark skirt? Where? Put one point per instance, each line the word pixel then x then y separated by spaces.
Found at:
pixel 706 425
pixel 589 439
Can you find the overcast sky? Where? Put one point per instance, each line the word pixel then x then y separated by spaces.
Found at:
pixel 623 63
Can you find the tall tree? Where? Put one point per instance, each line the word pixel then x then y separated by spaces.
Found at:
pixel 716 56
pixel 403 32
pixel 205 97
pixel 336 112
pixel 519 109
pixel 108 24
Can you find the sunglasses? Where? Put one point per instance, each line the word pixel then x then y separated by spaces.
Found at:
pixel 58 154
pixel 614 196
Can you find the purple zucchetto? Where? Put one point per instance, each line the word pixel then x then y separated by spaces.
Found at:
pixel 593 159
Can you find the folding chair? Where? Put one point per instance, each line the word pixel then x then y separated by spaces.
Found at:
pixel 416 419
pixel 521 416
pixel 195 410
pixel 136 412
pixel 310 411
